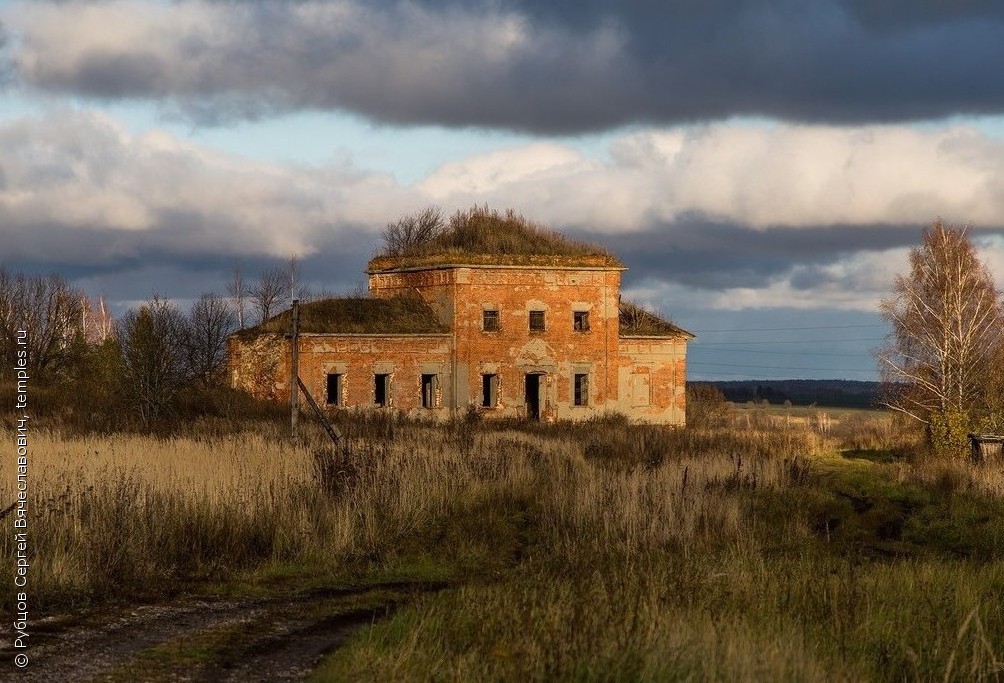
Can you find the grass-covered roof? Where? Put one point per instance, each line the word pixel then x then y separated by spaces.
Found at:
pixel 358 315
pixel 635 321
pixel 482 236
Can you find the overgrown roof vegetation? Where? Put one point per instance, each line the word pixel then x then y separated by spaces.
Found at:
pixel 481 231
pixel 358 315
pixel 635 321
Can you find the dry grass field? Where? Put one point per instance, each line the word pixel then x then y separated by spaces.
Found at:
pixel 602 551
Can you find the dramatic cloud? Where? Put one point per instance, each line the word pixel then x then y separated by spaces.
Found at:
pixel 758 176
pixel 766 215
pixel 539 66
pixel 78 189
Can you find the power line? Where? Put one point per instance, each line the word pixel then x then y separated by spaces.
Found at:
pixel 786 341
pixel 791 329
pixel 782 376
pixel 787 353
pixel 775 367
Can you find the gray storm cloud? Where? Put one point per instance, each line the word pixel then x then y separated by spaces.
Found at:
pixel 79 190
pixel 542 67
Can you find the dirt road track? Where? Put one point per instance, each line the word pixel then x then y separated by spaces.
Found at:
pixel 258 639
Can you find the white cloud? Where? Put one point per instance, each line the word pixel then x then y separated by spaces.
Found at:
pixel 762 175
pixel 77 187
pixel 855 283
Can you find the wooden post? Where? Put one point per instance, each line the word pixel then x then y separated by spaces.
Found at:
pixel 294 372
pixel 332 430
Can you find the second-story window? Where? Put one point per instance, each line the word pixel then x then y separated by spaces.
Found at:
pixel 580 321
pixel 490 321
pixel 536 321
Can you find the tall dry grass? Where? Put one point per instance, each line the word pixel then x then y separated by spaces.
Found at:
pixel 590 551
pixel 127 512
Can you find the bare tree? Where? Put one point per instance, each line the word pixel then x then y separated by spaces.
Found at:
pixel 96 320
pixel 210 321
pixel 49 310
pixel 297 290
pixel 267 292
pixel 238 291
pixel 409 233
pixel 293 273
pixel 945 318
pixel 152 340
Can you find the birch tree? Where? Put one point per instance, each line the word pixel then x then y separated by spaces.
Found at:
pixel 945 318
pixel 238 291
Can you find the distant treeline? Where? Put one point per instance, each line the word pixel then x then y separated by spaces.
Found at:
pixel 835 393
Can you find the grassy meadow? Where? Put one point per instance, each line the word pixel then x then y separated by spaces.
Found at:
pixel 764 549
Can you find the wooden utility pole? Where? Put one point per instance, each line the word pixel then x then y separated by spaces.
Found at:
pixel 294 372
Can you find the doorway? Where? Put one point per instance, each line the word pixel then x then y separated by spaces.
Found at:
pixel 533 395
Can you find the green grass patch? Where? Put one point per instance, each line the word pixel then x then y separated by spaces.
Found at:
pixel 714 618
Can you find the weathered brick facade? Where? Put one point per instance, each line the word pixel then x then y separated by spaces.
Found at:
pixel 527 336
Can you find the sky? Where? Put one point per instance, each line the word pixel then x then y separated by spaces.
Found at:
pixel 762 168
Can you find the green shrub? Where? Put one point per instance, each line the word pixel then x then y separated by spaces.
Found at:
pixel 948 433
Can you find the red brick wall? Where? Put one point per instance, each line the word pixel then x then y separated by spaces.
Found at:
pixel 659 365
pixel 644 378
pixel 262 367
pixel 514 350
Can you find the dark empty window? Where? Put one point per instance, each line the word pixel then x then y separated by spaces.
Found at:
pixel 537 321
pixel 334 397
pixel 381 389
pixel 490 321
pixel 580 321
pixel 489 391
pixel 580 392
pixel 429 384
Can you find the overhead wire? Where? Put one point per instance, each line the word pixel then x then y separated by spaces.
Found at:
pixel 775 367
pixel 790 329
pixel 786 341
pixel 753 346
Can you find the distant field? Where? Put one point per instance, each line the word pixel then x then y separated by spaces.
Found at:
pixel 811 410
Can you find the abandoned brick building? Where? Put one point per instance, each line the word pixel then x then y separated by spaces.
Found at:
pixel 538 335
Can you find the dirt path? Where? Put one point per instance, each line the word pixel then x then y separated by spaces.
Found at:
pixel 259 639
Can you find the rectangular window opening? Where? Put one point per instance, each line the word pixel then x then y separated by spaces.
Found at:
pixel 429 385
pixel 537 321
pixel 489 391
pixel 490 321
pixel 334 393
pixel 381 389
pixel 580 321
pixel 580 395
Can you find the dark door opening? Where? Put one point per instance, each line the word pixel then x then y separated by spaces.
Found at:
pixel 533 396
pixel 381 389
pixel 489 391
